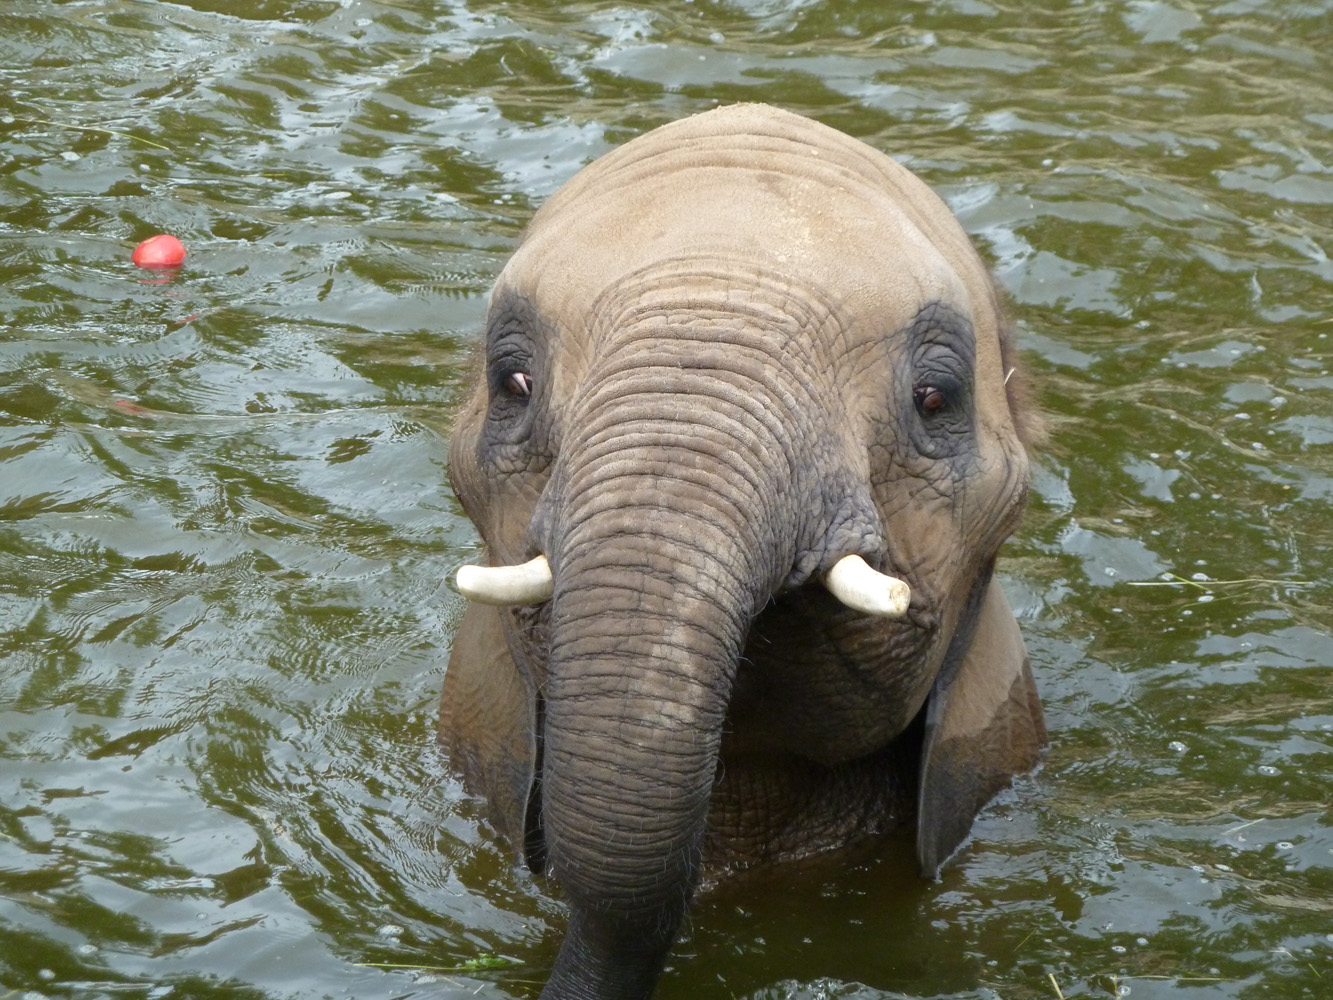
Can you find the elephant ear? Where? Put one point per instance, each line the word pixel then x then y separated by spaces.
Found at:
pixel 488 722
pixel 983 725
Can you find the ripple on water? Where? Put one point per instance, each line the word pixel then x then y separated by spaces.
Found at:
pixel 225 535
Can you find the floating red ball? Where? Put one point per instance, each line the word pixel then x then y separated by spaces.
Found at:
pixel 159 251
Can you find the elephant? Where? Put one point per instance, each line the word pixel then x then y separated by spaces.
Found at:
pixel 747 432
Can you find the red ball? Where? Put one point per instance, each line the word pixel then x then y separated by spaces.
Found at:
pixel 159 251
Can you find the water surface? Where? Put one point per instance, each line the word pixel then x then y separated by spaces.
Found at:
pixel 225 533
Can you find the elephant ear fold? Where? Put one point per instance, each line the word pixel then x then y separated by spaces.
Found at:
pixel 488 723
pixel 983 725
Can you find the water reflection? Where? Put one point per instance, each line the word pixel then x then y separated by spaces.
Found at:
pixel 224 534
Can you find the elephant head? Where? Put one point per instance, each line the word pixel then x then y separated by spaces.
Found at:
pixel 746 437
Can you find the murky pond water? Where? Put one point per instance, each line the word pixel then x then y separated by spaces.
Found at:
pixel 225 533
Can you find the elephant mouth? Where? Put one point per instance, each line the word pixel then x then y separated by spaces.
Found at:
pixel 818 682
pixel 861 642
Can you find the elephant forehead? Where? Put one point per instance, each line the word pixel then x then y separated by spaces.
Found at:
pixel 750 218
pixel 754 159
pixel 762 190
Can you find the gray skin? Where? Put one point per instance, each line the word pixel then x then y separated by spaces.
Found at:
pixel 724 356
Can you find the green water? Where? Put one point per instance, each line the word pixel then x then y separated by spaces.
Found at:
pixel 225 533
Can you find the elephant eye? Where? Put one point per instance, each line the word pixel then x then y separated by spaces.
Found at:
pixel 519 384
pixel 929 398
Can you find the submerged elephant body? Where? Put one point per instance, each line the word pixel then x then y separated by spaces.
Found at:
pixel 723 358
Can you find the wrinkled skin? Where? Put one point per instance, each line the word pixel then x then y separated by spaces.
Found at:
pixel 724 356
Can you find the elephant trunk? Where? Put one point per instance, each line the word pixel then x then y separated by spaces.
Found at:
pixel 660 563
pixel 633 722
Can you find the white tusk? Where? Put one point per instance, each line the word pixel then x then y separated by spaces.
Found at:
pixel 852 581
pixel 530 583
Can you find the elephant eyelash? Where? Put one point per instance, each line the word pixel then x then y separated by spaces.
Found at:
pixel 519 384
